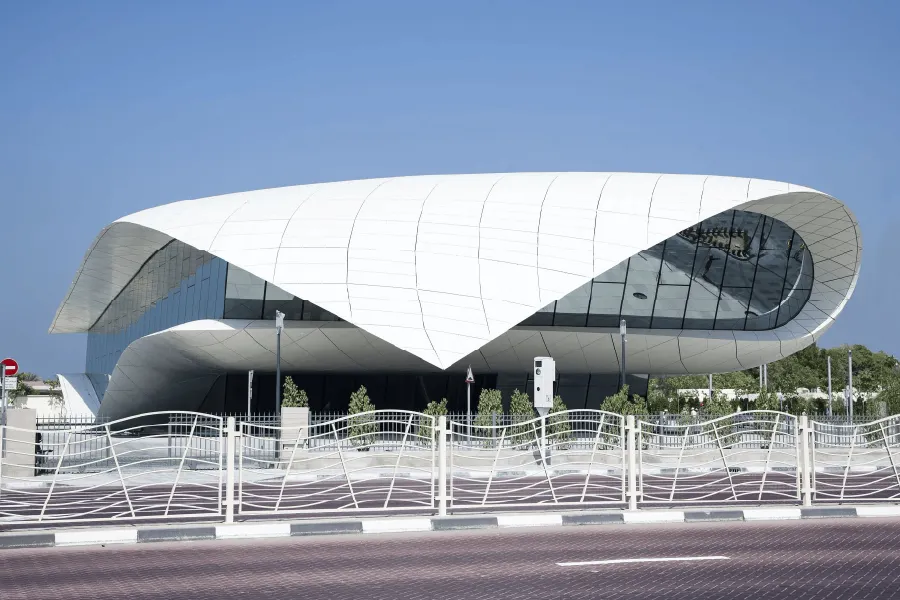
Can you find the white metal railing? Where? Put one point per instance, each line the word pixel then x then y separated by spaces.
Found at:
pixel 123 469
pixel 339 465
pixel 575 457
pixel 854 462
pixel 400 461
pixel 745 457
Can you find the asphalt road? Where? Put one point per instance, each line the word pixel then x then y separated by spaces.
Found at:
pixel 324 498
pixel 796 560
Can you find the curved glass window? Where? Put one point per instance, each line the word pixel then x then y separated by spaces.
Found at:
pixel 736 270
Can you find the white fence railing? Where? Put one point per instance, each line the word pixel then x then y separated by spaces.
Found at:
pixel 400 461
pixel 123 469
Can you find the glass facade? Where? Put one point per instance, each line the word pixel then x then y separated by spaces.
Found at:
pixel 249 297
pixel 737 270
pixel 175 285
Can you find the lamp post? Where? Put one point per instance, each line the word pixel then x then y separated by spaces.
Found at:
pixel 279 325
pixel 850 383
pixel 622 335
pixel 829 386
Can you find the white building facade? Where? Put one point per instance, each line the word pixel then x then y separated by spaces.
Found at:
pixel 399 284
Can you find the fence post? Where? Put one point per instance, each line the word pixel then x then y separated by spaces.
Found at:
pixel 442 466
pixel 805 463
pixel 229 470
pixel 632 474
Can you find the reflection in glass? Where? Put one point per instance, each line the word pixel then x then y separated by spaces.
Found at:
pixel 572 308
pixel 244 294
pixel 736 270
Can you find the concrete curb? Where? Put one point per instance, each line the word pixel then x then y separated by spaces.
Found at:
pixel 269 529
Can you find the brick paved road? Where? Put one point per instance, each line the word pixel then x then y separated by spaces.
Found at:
pixel 827 559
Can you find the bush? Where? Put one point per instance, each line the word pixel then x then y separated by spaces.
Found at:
pixel 558 426
pixel 620 404
pixel 766 401
pixel 362 426
pixel 521 410
pixel 292 397
pixel 436 410
pixel 490 403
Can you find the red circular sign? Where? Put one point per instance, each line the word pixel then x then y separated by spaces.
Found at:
pixel 10 366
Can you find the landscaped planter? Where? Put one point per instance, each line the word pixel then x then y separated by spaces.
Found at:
pixel 294 428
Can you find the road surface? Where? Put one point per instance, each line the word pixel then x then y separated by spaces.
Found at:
pixel 796 560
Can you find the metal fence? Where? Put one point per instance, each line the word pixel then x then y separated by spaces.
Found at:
pixel 575 457
pixel 382 460
pixel 115 470
pixel 176 464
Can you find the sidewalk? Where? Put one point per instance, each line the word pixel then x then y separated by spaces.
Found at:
pixel 182 532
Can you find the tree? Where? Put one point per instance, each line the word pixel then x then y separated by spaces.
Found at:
pixel 433 409
pixel 521 410
pixel 766 401
pixel 27 376
pixel 292 396
pixel 620 404
pixel 558 426
pixel 490 403
pixel 362 421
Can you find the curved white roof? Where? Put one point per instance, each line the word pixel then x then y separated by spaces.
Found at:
pixel 441 265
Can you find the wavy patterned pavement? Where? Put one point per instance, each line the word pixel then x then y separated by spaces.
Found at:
pixel 822 559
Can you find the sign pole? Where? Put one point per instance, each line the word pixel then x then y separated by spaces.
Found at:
pixel 470 379
pixel 829 386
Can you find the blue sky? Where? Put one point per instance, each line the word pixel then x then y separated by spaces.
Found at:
pixel 109 108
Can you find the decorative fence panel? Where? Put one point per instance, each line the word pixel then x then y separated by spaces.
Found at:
pixel 123 469
pixel 177 465
pixel 745 457
pixel 856 462
pixel 575 457
pixel 376 461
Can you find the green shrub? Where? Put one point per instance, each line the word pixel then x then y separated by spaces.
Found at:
pixel 521 410
pixel 436 410
pixel 490 403
pixel 362 426
pixel 292 397
pixel 558 426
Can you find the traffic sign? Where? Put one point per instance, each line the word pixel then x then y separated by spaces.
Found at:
pixel 10 383
pixel 469 377
pixel 10 367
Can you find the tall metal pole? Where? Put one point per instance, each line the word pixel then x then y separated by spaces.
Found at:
pixel 279 325
pixel 470 379
pixel 249 390
pixel 760 379
pixel 850 382
pixel 622 335
pixel 829 387
pixel 710 387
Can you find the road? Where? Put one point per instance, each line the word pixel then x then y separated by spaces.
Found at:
pixel 330 498
pixel 796 560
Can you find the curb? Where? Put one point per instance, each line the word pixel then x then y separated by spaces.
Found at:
pixel 257 530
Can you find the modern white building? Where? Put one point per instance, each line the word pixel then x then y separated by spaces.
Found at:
pixel 400 283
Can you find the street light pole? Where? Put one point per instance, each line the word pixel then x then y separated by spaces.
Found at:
pixel 850 382
pixel 279 325
pixel 622 335
pixel 829 387
pixel 710 387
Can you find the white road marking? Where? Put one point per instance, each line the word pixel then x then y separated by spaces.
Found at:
pixel 619 561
